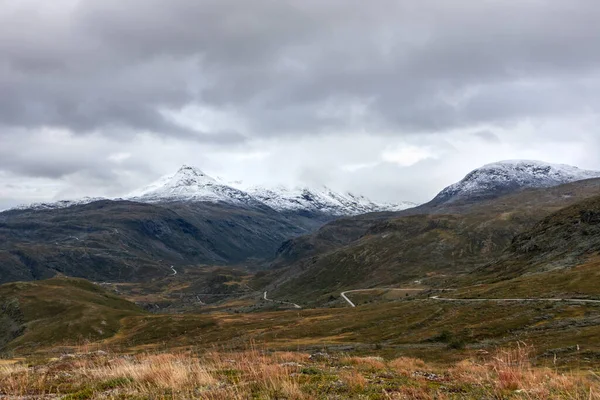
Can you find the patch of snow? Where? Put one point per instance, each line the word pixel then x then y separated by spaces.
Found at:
pixel 323 200
pixel 191 184
pixel 56 204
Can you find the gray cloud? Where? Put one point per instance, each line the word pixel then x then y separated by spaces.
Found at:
pixel 112 64
pixel 488 136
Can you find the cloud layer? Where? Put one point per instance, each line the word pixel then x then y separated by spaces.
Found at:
pixel 102 95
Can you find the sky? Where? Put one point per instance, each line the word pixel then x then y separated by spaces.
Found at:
pixel 392 99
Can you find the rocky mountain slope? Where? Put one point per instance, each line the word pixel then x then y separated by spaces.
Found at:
pixel 559 241
pixel 190 184
pixel 429 247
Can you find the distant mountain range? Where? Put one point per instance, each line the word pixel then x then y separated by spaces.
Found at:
pixel 187 218
pixel 190 184
pixel 190 218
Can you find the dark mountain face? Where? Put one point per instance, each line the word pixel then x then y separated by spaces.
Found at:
pixel 129 241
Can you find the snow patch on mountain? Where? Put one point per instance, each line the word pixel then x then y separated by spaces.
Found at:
pixel 190 184
pixel 322 200
pixel 511 175
pixel 56 204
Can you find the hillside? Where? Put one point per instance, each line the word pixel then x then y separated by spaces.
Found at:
pixel 57 312
pixel 129 241
pixel 435 248
pixel 562 239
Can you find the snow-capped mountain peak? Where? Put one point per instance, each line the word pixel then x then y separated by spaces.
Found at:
pixel 503 177
pixel 189 175
pixel 191 184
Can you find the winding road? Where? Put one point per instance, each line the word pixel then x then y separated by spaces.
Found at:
pixel 526 299
pixel 280 302
pixel 438 298
pixel 174 271
pixel 343 294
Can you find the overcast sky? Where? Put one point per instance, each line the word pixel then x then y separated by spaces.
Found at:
pixel 394 99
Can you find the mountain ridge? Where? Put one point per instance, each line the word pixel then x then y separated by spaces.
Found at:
pixel 504 177
pixel 324 200
pixel 191 184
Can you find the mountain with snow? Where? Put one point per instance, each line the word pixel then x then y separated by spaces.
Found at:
pixel 493 180
pixel 190 184
pixel 322 200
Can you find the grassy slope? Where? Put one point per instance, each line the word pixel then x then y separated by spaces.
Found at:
pixel 423 328
pixel 69 312
pixel 581 281
pixel 399 250
pixel 558 257
pixel 563 239
pixel 62 311
pixel 194 288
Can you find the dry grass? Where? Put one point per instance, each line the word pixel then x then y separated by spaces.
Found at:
pixel 366 363
pixel 511 371
pixel 406 366
pixel 506 374
pixel 354 379
pixel 161 371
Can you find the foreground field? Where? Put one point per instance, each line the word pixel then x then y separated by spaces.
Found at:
pixel 256 374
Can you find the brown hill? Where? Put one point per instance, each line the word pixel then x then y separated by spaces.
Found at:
pixel 443 242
